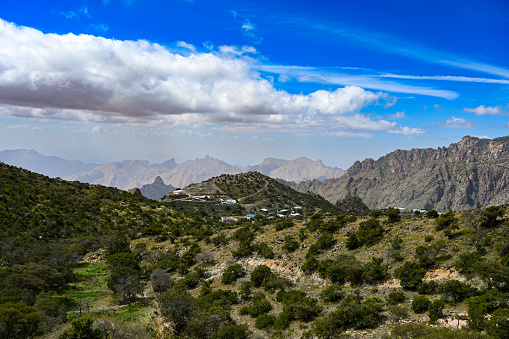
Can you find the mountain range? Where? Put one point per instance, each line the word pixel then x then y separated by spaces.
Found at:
pixel 461 176
pixel 128 174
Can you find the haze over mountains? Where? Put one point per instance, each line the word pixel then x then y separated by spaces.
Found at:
pixel 136 173
pixel 461 176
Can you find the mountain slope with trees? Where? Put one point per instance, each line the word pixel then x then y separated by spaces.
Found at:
pixel 80 260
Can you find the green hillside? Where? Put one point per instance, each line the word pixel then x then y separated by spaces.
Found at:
pixel 78 259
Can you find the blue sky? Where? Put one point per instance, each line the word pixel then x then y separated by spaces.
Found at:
pixel 245 80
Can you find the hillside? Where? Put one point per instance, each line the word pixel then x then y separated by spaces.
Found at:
pixel 461 176
pixel 78 257
pixel 254 191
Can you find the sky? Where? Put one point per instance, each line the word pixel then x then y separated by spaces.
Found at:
pixel 340 81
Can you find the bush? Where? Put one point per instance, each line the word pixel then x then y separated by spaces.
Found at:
pixel 445 220
pixel 436 309
pixel 232 273
pixel 370 232
pixel 420 304
pixel 393 215
pixel 332 293
pixel 290 244
pixel 264 250
pixel 282 224
pixel 374 271
pixel 428 287
pixel 498 326
pixel 352 242
pixel 161 281
pixel 455 291
pixel 265 320
pixel 259 307
pixel 282 322
pixel 343 268
pixel 410 274
pixel 259 274
pixel 395 297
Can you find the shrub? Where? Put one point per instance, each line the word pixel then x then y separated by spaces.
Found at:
pixel 259 274
pixel 332 293
pixel 498 326
pixel 370 232
pixel 410 274
pixel 290 244
pixel 436 309
pixel 393 215
pixel 259 307
pixel 445 220
pixel 420 304
pixel 428 287
pixel 310 265
pixel 264 250
pixel 282 224
pixel 161 281
pixel 283 320
pixel 265 320
pixel 232 273
pixel 374 271
pixel 395 297
pixel 352 242
pixel 456 291
pixel 343 268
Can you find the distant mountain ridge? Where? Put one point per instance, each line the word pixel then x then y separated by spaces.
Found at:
pixel 136 173
pixel 296 170
pixel 464 174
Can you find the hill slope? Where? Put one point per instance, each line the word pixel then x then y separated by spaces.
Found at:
pixel 254 190
pixel 471 172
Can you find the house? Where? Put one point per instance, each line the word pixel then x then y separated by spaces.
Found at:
pixel 250 216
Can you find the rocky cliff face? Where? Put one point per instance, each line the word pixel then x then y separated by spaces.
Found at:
pixel 471 172
pixel 157 189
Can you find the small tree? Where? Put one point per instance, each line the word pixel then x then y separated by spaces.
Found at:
pixel 126 283
pixel 436 309
pixel 81 329
pixel 410 274
pixel 420 304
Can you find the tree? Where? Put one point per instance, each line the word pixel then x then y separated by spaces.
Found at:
pixel 498 326
pixel 232 273
pixel 445 220
pixel 393 215
pixel 410 274
pixel 370 232
pixel 161 281
pixel 420 304
pixel 436 309
pixel 259 274
pixel 17 320
pixel 177 306
pixel 126 283
pixel 82 329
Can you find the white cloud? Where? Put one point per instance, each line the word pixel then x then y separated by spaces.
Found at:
pixel 397 115
pixel 23 127
pixel 455 122
pixel 186 45
pixel 486 110
pixel 98 80
pixel 407 131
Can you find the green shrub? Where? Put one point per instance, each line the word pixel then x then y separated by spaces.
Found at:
pixel 395 297
pixel 436 309
pixel 498 326
pixel 410 275
pixel 333 293
pixel 370 232
pixel 420 304
pixel 290 244
pixel 232 273
pixel 264 250
pixel 265 320
pixel 259 274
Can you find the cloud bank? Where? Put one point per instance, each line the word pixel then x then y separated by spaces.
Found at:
pixel 93 79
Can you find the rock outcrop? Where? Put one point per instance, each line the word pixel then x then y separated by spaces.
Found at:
pixel 471 172
pixel 157 189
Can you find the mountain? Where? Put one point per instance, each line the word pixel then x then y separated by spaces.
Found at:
pixel 296 170
pixel 48 165
pixel 254 191
pixel 461 176
pixel 157 189
pixel 125 174
pixel 197 170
